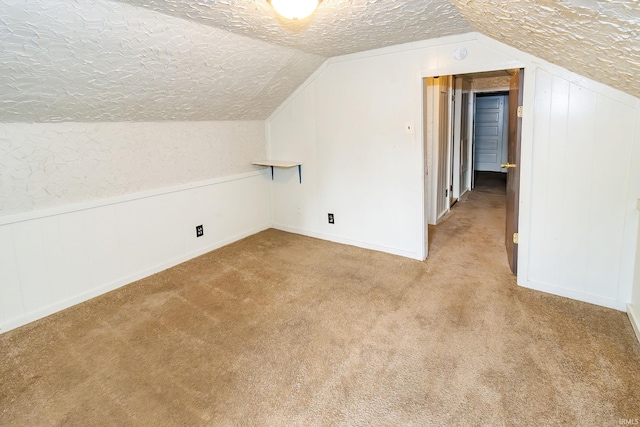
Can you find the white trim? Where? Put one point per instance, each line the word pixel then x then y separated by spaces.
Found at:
pixel 406 47
pixel 482 91
pixel 461 70
pixel 634 319
pixel 419 127
pixel 81 206
pixel 351 242
pixel 630 230
pixel 102 289
pixel 573 294
pixel 526 173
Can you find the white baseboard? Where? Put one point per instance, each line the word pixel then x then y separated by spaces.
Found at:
pixel 573 294
pixel 634 318
pixel 107 287
pixel 357 243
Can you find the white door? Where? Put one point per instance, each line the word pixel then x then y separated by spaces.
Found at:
pixel 466 154
pixel 457 162
pixel 445 152
pixel 490 132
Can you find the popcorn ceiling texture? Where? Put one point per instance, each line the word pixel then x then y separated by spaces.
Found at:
pixel 597 39
pixel 179 60
pixel 52 164
pixel 491 83
pixel 100 61
pixel 336 28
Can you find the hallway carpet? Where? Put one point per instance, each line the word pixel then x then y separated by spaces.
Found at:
pixel 280 329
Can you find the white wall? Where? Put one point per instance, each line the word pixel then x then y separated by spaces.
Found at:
pixel 582 158
pixel 634 308
pixel 54 164
pixel 347 125
pixel 73 250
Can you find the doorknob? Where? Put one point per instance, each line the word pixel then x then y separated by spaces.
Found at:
pixel 507 165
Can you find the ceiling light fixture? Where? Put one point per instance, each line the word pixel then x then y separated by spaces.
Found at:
pixel 294 9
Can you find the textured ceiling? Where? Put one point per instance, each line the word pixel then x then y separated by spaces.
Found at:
pixel 599 39
pixel 91 61
pixel 337 27
pixel 156 60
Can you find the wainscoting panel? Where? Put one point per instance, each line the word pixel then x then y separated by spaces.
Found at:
pixel 51 261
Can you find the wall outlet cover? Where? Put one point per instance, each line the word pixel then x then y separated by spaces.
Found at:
pixel 199 230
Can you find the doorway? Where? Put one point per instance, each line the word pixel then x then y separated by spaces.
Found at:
pixel 491 131
pixel 468 127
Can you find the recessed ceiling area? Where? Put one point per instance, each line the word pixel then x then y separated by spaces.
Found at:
pixel 179 60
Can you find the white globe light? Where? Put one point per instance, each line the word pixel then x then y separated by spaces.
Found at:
pixel 294 9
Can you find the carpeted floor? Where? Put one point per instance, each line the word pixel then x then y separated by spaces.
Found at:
pixel 280 329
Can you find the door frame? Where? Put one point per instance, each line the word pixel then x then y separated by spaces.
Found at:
pixel 505 136
pixel 434 168
pixel 456 168
pixel 429 171
pixel 466 112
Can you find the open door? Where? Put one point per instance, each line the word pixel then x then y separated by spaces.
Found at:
pixel 461 179
pixel 466 155
pixel 513 168
pixel 444 150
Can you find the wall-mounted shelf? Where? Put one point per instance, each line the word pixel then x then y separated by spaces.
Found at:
pixel 284 164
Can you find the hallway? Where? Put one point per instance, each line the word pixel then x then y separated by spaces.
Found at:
pixel 482 207
pixel 281 329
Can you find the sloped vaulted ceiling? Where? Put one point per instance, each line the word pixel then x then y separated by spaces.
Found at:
pixel 599 39
pixel 337 27
pixel 63 60
pixel 155 60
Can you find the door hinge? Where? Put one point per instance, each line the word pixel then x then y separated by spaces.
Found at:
pixel 520 111
pixel 515 238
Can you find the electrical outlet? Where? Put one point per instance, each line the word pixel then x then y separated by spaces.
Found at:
pixel 199 230
pixel 331 219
